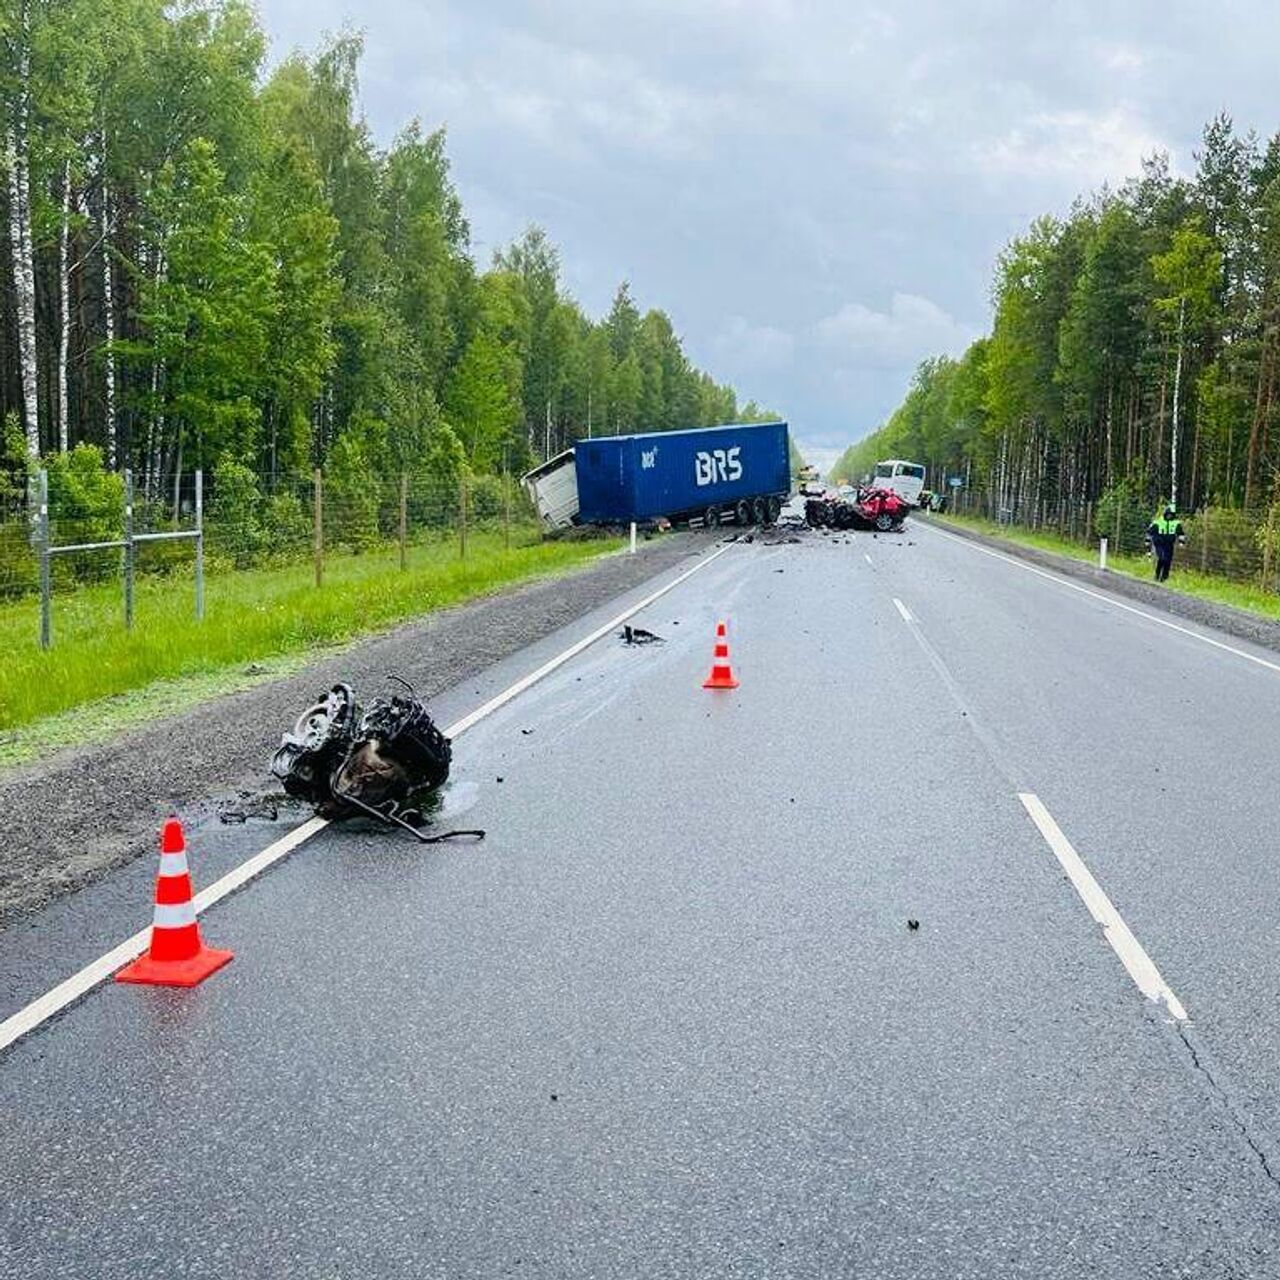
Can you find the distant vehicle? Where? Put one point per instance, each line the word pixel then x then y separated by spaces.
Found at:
pixel 812 488
pixel 740 472
pixel 906 479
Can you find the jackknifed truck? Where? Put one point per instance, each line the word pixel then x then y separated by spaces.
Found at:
pixel 712 475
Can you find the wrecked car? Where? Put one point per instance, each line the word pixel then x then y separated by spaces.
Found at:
pixel 879 509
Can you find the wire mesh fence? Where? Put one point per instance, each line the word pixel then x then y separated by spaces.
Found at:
pixel 73 531
pixel 1219 540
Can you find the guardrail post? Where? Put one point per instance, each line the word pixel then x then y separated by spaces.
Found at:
pixel 506 502
pixel 127 550
pixel 633 537
pixel 199 545
pixel 42 536
pixel 462 516
pixel 1102 553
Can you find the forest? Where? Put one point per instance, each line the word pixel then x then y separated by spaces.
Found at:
pixel 1133 356
pixel 211 263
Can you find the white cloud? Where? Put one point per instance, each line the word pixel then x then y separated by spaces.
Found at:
pixel 772 160
pixel 1125 58
pixel 911 329
pixel 758 346
pixel 1084 147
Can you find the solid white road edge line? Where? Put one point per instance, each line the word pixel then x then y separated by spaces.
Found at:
pixel 1141 969
pixel 1114 603
pixel 902 609
pixel 44 1007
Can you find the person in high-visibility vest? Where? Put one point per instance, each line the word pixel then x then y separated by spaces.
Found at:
pixel 1164 533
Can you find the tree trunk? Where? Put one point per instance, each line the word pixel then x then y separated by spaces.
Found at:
pixel 1255 427
pixel 64 307
pixel 1173 432
pixel 24 281
pixel 109 317
pixel 177 473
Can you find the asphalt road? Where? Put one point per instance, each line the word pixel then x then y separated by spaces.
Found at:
pixel 669 1019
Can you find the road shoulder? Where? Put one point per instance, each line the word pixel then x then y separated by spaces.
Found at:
pixel 71 819
pixel 1239 623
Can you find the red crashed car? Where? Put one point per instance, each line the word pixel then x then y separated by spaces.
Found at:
pixel 879 509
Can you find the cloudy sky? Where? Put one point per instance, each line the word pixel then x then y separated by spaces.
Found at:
pixel 815 192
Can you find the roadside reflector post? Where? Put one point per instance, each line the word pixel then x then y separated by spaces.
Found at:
pixel 1102 553
pixel 633 537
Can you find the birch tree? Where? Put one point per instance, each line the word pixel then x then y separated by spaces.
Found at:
pixel 18 164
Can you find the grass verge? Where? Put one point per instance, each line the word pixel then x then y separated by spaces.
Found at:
pixel 1191 582
pixel 99 677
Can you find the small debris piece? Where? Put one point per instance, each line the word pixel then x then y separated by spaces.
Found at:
pixel 500 778
pixel 638 635
pixel 913 925
pixel 526 732
pixel 250 806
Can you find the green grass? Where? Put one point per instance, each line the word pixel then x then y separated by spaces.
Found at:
pixel 1190 581
pixel 270 618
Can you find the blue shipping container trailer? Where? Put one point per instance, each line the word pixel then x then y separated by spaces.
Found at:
pixel 740 472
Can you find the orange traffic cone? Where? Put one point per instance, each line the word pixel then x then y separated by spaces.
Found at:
pixel 721 676
pixel 177 957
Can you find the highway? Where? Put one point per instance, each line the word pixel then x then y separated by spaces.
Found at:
pixel 670 1018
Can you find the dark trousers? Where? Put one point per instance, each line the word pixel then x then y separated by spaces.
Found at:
pixel 1164 561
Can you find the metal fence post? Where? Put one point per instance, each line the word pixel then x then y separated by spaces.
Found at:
pixel 506 502
pixel 127 549
pixel 317 481
pixel 199 545
pixel 1102 553
pixel 404 516
pixel 462 516
pixel 42 534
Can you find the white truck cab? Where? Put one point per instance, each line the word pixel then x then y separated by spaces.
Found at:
pixel 553 490
pixel 906 479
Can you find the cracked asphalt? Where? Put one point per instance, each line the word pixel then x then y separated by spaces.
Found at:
pixel 669 1019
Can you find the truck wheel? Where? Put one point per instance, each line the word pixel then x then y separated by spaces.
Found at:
pixel 773 509
pixel 712 518
pixel 742 512
pixel 760 509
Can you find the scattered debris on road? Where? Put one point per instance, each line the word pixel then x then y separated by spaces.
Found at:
pixel 913 925
pixel 247 806
pixel 638 635
pixel 386 762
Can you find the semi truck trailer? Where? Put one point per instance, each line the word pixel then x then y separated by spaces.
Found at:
pixel 740 472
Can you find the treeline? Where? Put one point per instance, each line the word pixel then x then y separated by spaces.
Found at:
pixel 1134 354
pixel 207 266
